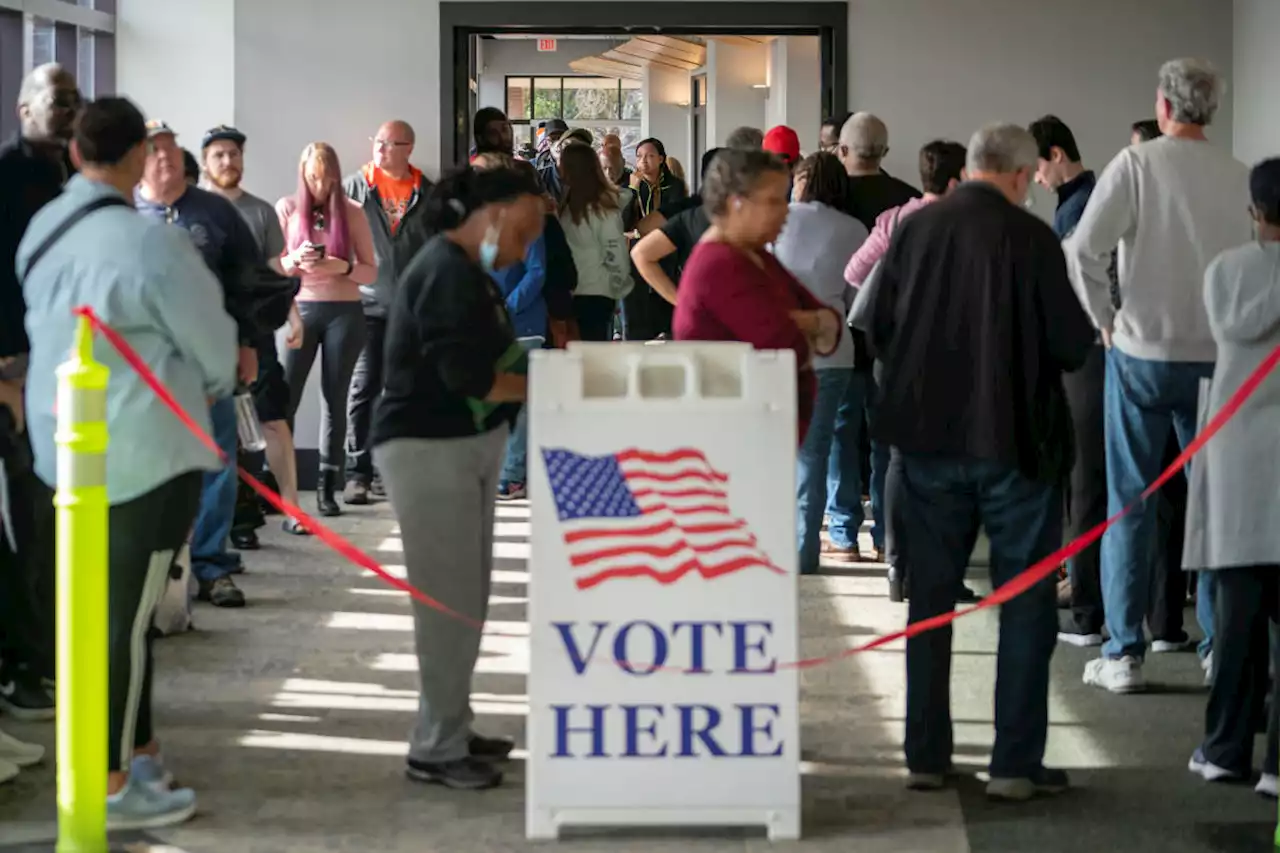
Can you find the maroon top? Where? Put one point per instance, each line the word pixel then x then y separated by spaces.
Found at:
pixel 726 297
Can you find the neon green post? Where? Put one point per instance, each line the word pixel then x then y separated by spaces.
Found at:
pixel 82 599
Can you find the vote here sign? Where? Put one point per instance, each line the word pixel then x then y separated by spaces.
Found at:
pixel 663 588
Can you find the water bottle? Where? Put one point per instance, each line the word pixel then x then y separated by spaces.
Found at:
pixel 247 425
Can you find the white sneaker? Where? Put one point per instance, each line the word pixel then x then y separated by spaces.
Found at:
pixel 1118 675
pixel 1082 641
pixel 8 771
pixel 1161 647
pixel 1207 665
pixel 1268 786
pixel 17 752
pixel 1207 770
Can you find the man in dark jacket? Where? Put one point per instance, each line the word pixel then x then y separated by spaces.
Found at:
pixel 975 322
pixel 393 194
pixel 33 168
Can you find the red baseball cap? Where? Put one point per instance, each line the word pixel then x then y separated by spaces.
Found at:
pixel 782 140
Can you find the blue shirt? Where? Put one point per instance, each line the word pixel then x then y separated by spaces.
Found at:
pixel 522 285
pixel 1073 197
pixel 144 279
pixel 223 239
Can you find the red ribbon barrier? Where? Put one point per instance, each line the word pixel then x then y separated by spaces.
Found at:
pixel 1011 589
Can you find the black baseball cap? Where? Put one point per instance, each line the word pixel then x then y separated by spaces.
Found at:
pixel 556 125
pixel 221 132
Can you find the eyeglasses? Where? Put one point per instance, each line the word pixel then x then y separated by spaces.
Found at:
pixel 389 143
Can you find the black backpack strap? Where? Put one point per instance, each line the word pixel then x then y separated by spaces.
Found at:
pixel 67 225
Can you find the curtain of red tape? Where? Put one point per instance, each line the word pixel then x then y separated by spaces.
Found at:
pixel 1018 585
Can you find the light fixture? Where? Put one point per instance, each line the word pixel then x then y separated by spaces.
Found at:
pixel 760 86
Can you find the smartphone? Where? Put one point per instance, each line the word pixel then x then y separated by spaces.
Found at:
pixel 318 248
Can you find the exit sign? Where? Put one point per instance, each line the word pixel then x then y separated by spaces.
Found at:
pixel 547 45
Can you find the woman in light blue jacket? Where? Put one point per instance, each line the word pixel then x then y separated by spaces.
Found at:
pixel 814 246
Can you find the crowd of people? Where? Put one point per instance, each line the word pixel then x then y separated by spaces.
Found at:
pixel 961 365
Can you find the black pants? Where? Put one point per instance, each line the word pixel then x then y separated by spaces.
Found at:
pixel 892 494
pixel 647 314
pixel 336 330
pixel 366 385
pixel 145 534
pixel 1168 580
pixel 942 502
pixel 1087 500
pixel 27 578
pixel 595 317
pixel 1243 647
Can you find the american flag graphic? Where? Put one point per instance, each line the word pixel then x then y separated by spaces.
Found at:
pixel 642 514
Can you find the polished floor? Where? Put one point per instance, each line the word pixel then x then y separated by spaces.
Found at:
pixel 289 719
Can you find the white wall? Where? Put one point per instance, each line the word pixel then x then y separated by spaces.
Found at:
pixel 177 61
pixel 942 68
pixel 1257 71
pixel 795 78
pixel 732 102
pixel 501 57
pixel 666 113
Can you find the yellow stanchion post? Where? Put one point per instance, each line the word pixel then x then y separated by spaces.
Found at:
pixel 82 599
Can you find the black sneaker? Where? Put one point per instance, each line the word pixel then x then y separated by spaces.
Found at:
pixel 376 488
pixel 490 748
pixel 221 593
pixel 24 697
pixel 967 596
pixel 464 774
pixel 1043 781
pixel 245 540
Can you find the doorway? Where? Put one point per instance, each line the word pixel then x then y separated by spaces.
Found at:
pixel 460 22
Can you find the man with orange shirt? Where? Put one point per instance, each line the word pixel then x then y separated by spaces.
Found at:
pixel 392 193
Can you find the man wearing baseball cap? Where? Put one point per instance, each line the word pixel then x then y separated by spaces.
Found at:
pixel 784 142
pixel 222 164
pixel 228 248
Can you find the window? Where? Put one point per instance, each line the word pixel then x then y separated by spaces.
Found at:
pixel 602 105
pixel 85 62
pixel 44 35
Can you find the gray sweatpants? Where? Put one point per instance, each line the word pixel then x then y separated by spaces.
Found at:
pixel 443 493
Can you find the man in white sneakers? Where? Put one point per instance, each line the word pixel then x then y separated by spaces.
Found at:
pixel 1171 205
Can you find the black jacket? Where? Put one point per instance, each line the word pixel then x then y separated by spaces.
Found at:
pixel 29 180
pixel 975 322
pixel 392 252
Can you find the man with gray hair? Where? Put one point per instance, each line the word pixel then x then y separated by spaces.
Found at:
pixel 971 396
pixel 745 138
pixel 1171 205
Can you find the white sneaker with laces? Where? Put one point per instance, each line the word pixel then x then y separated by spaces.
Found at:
pixel 1268 786
pixel 1117 675
pixel 18 752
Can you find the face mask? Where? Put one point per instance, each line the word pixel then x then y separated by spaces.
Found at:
pixel 489 246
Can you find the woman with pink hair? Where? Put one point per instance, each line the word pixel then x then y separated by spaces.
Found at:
pixel 328 244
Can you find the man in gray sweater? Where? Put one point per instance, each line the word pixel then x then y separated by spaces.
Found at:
pixel 1171 205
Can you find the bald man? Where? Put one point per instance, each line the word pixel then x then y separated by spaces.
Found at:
pixel 392 192
pixel 33 168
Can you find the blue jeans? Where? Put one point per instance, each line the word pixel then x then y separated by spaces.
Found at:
pixel 514 464
pixel 1143 400
pixel 943 502
pixel 844 465
pixel 210 558
pixel 811 464
pixel 879 471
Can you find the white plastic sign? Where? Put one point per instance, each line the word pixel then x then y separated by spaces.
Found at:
pixel 663 588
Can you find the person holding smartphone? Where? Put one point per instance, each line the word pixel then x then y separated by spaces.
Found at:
pixel 329 245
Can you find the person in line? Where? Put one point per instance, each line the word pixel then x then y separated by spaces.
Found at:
pixel 491 133
pixel 1144 130
pixel 223 151
pixel 33 168
pixel 551 133
pixel 864 142
pixel 523 286
pixel 745 138
pixel 677 172
pixel 646 312
pixel 811 247
pixel 1171 205
pixel 329 245
pixel 455 379
pixel 125 267
pixel 734 289
pixel 549 173
pixel 228 249
pixel 591 216
pixel 829 133
pixel 390 190
pixel 660 256
pixel 941 171
pixel 613 160
pixel 1235 483
pixel 985 286
pixel 1060 170
pixel 785 143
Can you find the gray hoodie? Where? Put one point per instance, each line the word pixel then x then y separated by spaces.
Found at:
pixel 392 252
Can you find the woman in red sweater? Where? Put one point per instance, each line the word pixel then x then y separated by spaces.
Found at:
pixel 733 289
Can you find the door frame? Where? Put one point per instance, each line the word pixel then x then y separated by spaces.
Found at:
pixel 461 20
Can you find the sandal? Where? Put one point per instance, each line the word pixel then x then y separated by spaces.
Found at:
pixel 294 527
